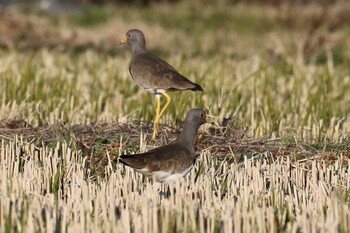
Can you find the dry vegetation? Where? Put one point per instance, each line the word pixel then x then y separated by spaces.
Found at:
pixel 275 160
pixel 49 190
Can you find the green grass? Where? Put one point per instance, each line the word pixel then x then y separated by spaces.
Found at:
pixel 56 87
pixel 272 96
pixel 92 16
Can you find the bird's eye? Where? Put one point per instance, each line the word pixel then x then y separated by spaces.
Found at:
pixel 201 114
pixel 129 35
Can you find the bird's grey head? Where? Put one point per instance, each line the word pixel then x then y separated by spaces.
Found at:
pixel 194 119
pixel 135 37
pixel 196 116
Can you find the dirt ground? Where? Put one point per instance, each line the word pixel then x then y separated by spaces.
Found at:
pixel 34 31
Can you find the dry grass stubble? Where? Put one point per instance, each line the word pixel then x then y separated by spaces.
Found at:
pixel 49 189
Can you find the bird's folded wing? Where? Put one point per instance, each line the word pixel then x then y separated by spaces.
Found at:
pixel 155 72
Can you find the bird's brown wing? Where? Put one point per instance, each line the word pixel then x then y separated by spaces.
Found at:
pixel 151 72
pixel 160 159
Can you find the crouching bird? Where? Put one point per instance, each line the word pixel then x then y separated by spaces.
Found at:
pixel 154 74
pixel 168 163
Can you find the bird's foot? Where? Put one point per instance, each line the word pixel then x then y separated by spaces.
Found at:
pixel 167 193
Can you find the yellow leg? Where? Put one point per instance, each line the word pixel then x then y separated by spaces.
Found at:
pixel 168 99
pixel 155 123
pixel 159 114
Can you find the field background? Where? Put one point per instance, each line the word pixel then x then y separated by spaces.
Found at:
pixel 275 75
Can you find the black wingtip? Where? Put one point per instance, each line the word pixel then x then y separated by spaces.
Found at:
pixel 127 159
pixel 121 159
pixel 197 88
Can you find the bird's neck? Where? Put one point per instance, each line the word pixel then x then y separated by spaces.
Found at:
pixel 138 49
pixel 188 134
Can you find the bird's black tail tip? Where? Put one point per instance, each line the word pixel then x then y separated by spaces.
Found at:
pixel 197 88
pixel 121 158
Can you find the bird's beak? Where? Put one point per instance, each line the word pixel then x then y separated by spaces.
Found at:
pixel 209 119
pixel 123 41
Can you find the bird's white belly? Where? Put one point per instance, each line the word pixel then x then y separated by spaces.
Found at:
pixel 156 91
pixel 167 177
pixel 149 89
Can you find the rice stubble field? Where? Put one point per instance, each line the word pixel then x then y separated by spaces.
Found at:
pixel 275 160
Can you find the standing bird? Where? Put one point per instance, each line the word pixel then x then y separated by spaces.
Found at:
pixel 173 161
pixel 154 74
